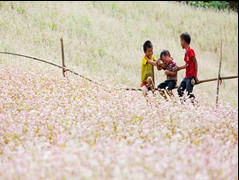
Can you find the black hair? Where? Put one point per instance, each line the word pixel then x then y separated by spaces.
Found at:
pixel 186 37
pixel 146 45
pixel 164 52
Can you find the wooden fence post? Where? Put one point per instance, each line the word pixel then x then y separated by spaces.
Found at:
pixel 63 58
pixel 219 77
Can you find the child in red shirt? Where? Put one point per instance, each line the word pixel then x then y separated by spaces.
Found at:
pixel 191 67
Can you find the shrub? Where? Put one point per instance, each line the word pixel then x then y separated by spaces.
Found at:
pixel 220 5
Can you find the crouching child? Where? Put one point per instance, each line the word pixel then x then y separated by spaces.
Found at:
pixel 170 68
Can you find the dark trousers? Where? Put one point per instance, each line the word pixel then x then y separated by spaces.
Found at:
pixel 186 84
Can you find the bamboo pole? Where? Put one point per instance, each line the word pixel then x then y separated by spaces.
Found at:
pixel 63 58
pixel 45 61
pixel 199 82
pixel 30 57
pixel 214 79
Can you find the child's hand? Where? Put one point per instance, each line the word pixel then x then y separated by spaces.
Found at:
pixel 164 65
pixel 197 80
pixel 166 72
pixel 158 61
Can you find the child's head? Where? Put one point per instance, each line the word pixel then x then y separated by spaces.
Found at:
pixel 185 39
pixel 165 56
pixel 148 49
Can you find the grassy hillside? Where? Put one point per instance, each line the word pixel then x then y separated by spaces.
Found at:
pixel 103 40
pixel 53 127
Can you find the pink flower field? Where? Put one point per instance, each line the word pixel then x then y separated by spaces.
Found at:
pixel 53 127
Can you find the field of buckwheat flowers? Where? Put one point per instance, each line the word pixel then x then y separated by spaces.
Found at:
pixel 55 127
pixel 67 128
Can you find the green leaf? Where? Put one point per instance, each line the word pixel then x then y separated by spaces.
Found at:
pixel 20 10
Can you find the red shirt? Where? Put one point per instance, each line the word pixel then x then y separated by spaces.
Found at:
pixel 190 66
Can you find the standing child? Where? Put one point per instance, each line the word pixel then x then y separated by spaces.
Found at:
pixel 148 62
pixel 191 67
pixel 170 68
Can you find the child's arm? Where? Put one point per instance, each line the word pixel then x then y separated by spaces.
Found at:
pixel 153 63
pixel 196 68
pixel 181 67
pixel 156 63
pixel 159 65
pixel 170 73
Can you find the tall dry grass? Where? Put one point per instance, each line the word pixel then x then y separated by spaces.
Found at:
pixel 103 40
